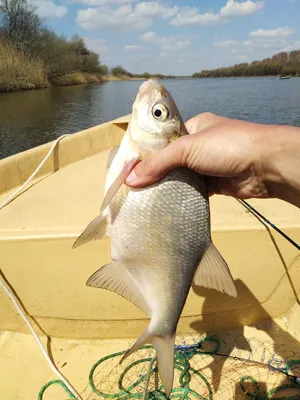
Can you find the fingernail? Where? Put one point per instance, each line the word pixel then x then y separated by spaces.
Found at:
pixel 131 178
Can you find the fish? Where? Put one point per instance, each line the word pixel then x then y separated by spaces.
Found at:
pixel 160 235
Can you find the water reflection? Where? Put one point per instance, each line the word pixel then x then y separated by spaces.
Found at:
pixel 28 119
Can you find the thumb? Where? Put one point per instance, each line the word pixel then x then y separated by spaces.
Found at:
pixel 152 168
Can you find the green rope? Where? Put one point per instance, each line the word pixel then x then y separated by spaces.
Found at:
pixel 55 382
pixel 183 354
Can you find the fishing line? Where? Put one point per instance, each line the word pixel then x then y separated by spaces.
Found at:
pixel 15 194
pixel 62 380
pixel 253 210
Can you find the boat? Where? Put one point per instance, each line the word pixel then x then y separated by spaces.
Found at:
pixel 229 348
pixel 284 77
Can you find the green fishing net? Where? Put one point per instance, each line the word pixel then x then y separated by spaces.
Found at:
pixel 212 367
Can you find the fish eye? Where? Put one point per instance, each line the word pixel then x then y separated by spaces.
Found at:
pixel 160 112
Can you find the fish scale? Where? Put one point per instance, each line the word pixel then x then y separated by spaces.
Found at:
pixel 167 231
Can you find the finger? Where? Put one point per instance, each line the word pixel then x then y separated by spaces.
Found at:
pixel 203 121
pixel 155 166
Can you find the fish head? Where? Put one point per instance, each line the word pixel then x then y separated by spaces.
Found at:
pixel 155 120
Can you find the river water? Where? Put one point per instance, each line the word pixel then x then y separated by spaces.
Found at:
pixel 28 119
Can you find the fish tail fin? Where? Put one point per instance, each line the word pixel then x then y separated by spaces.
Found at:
pixel 164 346
pixel 146 337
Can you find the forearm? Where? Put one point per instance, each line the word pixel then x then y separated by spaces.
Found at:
pixel 280 158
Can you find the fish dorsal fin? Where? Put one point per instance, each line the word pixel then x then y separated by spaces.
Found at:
pixel 116 278
pixel 94 231
pixel 214 273
pixel 111 156
pixel 97 228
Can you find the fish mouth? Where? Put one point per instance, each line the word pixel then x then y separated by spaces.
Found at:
pixel 148 85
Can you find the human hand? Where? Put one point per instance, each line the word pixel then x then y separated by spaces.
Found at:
pixel 227 151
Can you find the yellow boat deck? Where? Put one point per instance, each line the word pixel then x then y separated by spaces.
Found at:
pixel 37 231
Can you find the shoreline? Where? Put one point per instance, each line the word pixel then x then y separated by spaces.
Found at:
pixel 241 76
pixel 72 79
pixel 84 78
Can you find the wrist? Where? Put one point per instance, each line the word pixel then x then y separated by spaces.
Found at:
pixel 280 162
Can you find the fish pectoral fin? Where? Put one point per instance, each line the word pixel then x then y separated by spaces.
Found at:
pixel 111 156
pixel 94 231
pixel 114 187
pixel 214 273
pixel 164 346
pixel 116 278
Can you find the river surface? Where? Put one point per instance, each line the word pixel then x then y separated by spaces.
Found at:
pixel 28 119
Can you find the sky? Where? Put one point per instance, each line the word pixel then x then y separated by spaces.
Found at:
pixel 177 37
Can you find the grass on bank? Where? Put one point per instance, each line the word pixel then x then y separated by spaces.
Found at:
pixel 18 72
pixel 76 78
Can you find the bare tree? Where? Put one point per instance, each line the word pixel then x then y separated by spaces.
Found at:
pixel 19 22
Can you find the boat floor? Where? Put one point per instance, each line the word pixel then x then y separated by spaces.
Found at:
pixel 24 370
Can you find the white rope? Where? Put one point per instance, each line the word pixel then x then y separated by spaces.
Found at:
pixel 10 293
pixel 23 315
pixel 15 194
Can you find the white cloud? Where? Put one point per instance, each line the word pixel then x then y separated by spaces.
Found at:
pixel 155 9
pixel 148 37
pixel 237 9
pixel 126 17
pixel 272 33
pixel 261 39
pixel 103 2
pixel 168 43
pixel 132 47
pixel 225 43
pixel 291 47
pixel 47 8
pixel 191 16
pixel 96 45
pixel 265 44
pixel 232 9
pixel 242 57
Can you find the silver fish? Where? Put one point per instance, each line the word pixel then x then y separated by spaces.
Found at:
pixel 160 235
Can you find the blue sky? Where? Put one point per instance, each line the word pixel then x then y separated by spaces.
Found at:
pixel 176 36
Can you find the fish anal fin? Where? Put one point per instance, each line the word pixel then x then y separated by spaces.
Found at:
pixel 94 231
pixel 213 273
pixel 117 279
pixel 117 183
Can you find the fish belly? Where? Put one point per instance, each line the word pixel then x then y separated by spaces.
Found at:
pixel 160 233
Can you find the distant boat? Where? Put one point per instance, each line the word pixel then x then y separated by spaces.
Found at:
pixel 283 76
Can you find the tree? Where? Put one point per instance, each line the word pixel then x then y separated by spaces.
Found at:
pixel 20 25
pixel 119 71
pixel 281 63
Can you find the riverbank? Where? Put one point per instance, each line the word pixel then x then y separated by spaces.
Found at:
pixel 38 81
pixel 20 72
pixel 112 78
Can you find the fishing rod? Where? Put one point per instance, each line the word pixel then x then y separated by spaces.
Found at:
pixel 249 207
